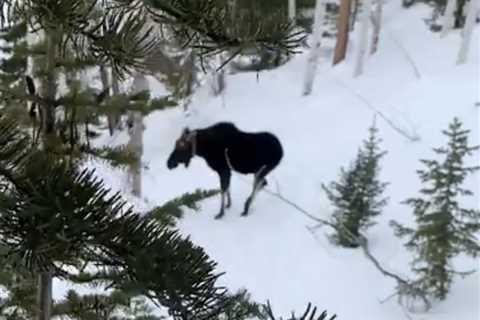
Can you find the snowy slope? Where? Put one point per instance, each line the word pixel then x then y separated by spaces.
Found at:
pixel 270 252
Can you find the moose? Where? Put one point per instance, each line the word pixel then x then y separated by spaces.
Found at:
pixel 225 148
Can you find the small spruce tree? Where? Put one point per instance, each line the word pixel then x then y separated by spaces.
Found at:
pixel 357 197
pixel 443 228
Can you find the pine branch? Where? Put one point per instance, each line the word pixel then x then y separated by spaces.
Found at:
pixel 207 26
pixel 309 314
pixel 168 213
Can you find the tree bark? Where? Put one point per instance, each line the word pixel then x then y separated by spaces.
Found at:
pixel 314 55
pixel 33 108
pixel 114 117
pixel 342 31
pixel 218 77
pixel 136 138
pixel 188 70
pixel 448 18
pixel 377 25
pixel 363 37
pixel 106 84
pixel 50 83
pixel 472 12
pixel 458 14
pixel 292 9
pixel 44 296
pixel 49 87
pixel 354 12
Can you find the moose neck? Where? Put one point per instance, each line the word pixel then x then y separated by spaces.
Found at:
pixel 200 143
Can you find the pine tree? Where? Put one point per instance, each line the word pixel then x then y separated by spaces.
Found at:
pixel 57 220
pixel 444 229
pixel 357 197
pixel 53 216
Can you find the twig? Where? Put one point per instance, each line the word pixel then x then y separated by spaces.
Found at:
pixel 405 312
pixel 406 54
pixel 389 297
pixel 412 137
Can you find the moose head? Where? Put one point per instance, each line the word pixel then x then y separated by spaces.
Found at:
pixel 184 150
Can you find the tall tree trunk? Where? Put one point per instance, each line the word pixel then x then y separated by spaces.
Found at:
pixel 342 31
pixel 472 12
pixel 49 87
pixel 33 108
pixel 218 77
pixel 459 13
pixel 188 70
pixel 106 84
pixel 377 25
pixel 140 83
pixel 44 296
pixel 448 18
pixel 353 17
pixel 314 54
pixel 292 10
pixel 363 37
pixel 114 117
pixel 50 83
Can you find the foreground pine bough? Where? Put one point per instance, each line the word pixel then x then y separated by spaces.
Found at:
pixel 225 148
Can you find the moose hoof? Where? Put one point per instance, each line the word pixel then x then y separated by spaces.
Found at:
pixel 219 216
pixel 244 214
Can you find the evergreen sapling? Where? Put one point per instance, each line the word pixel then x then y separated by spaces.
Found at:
pixel 443 228
pixel 357 196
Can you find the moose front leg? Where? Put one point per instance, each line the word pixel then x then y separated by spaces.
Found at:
pixel 224 185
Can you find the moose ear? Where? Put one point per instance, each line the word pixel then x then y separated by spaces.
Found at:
pixel 186 131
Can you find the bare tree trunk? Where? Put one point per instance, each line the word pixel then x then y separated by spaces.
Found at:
pixel 50 83
pixel 218 77
pixel 44 296
pixel 342 31
pixel 114 117
pixel 363 37
pixel 49 87
pixel 314 55
pixel 448 19
pixel 377 25
pixel 459 21
pixel 292 10
pixel 105 85
pixel 353 18
pixel 188 70
pixel 32 39
pixel 472 12
pixel 33 108
pixel 135 132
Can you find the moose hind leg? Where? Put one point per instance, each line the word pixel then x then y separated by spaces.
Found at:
pixel 248 203
pixel 229 199
pixel 224 185
pixel 258 184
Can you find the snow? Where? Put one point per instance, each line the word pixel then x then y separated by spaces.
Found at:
pixel 271 252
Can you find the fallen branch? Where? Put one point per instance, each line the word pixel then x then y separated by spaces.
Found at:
pixel 412 137
pixel 406 54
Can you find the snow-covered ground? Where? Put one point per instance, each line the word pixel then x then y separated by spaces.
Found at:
pixel 271 253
